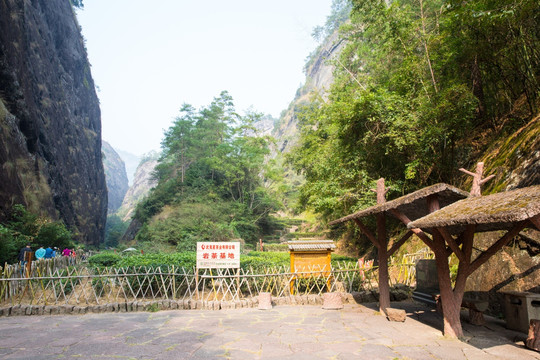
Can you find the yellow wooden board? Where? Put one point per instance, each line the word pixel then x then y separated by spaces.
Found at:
pixel 310 262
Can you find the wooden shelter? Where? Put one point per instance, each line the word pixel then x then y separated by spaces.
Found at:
pixel 453 228
pixel 405 208
pixel 310 257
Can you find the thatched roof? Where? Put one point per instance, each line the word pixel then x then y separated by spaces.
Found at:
pixel 493 212
pixel 311 245
pixel 414 205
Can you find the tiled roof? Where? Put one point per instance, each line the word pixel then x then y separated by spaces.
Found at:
pixel 307 245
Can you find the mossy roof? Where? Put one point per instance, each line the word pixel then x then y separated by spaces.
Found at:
pixel 489 213
pixel 413 205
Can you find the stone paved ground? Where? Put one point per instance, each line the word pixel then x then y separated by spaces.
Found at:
pixel 285 332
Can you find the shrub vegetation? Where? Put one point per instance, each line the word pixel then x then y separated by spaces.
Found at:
pixel 23 227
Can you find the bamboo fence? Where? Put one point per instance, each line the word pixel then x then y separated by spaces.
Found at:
pixel 52 284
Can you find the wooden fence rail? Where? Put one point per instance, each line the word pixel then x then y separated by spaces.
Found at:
pixel 13 274
pixel 78 285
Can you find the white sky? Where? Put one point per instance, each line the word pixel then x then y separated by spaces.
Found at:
pixel 150 57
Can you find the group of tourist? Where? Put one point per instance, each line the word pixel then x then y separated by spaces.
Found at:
pixel 45 253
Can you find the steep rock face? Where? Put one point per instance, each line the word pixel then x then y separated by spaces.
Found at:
pixel 319 78
pixel 515 159
pixel 116 176
pixel 131 161
pixel 142 184
pixel 50 153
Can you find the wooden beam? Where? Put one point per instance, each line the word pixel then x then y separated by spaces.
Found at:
pixel 484 256
pixel 418 232
pixel 400 242
pixel 451 243
pixel 433 203
pixel 368 233
pixel 467 239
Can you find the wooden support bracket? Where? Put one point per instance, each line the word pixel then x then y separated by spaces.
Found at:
pixel 400 242
pixel 368 233
pixel 483 257
pixel 418 232
pixel 451 243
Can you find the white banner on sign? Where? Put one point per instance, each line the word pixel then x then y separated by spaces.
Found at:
pixel 218 255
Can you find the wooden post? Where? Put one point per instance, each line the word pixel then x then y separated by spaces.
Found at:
pixel 380 191
pixel 450 305
pixel 293 277
pixel 533 338
pixel 476 189
pixel 197 282
pixel 238 283
pixel 28 257
pixel 173 283
pixel 384 286
pixel 382 249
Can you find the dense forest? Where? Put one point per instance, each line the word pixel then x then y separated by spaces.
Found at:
pixel 421 89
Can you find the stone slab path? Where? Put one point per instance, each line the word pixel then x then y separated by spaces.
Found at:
pixel 284 332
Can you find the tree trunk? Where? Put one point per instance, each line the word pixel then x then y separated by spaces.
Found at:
pixel 478 87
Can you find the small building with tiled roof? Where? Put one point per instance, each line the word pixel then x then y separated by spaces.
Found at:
pixel 311 245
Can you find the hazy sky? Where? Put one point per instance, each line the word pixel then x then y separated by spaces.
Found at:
pixel 150 57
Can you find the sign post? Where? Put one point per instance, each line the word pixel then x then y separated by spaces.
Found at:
pixel 217 255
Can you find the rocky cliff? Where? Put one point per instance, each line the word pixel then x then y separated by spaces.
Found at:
pixel 319 78
pixel 131 161
pixel 116 176
pixel 50 150
pixel 142 183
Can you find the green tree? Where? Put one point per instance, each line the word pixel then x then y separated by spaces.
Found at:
pixel 180 148
pixel 114 229
pixel 55 234
pixel 77 3
pixel 211 157
pixel 340 10
pixel 23 227
pixel 9 246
